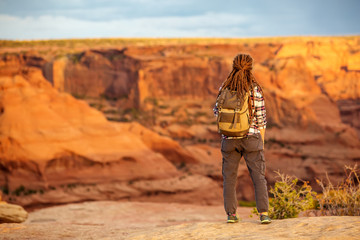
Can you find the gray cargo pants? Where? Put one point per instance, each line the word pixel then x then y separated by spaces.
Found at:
pixel 251 148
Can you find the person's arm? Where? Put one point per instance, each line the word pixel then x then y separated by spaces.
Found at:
pixel 260 113
pixel 216 109
pixel 262 132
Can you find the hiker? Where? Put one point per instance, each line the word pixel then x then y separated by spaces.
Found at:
pixel 246 111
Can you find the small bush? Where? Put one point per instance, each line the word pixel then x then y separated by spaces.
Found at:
pixel 343 199
pixel 30 191
pixel 71 185
pixel 19 190
pixel 5 190
pixel 75 58
pixel 200 114
pixel 289 199
pixel 133 112
pixel 79 95
pixel 152 101
pixel 163 106
pixel 111 111
pixel 98 106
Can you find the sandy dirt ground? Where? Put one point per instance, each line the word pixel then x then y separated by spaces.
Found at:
pixel 141 220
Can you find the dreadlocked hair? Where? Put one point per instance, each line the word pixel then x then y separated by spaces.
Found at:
pixel 241 78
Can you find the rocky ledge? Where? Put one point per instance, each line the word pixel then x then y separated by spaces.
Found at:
pixel 135 220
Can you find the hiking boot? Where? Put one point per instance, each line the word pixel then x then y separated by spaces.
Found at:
pixel 265 219
pixel 233 218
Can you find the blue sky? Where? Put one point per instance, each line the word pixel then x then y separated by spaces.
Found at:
pixel 58 19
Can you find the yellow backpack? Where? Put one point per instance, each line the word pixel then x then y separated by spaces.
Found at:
pixel 233 119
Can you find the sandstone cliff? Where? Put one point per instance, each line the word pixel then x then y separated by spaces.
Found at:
pixel 56 149
pixel 305 74
pixel 63 146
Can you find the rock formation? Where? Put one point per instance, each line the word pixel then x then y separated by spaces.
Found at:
pixel 310 70
pixel 11 213
pixel 63 147
pixel 52 143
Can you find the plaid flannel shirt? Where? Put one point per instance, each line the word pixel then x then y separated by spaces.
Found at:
pixel 259 120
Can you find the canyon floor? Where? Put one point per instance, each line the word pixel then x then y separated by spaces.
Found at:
pixel 142 220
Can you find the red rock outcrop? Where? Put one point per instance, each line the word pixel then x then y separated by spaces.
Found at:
pixel 51 128
pixel 313 72
pixel 307 68
pixel 50 141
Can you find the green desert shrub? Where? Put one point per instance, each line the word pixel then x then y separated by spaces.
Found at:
pixel 343 199
pixel 5 189
pixel 290 198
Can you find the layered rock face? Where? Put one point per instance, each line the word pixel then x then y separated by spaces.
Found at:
pixel 64 147
pixel 56 149
pixel 303 71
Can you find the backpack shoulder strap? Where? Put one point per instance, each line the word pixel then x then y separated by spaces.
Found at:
pixel 221 97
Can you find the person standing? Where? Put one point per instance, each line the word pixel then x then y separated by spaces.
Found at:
pixel 251 146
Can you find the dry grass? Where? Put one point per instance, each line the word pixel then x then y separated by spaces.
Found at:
pixel 343 199
pixel 290 198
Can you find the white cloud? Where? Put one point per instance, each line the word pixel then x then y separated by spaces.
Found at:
pixel 44 27
pixel 38 19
